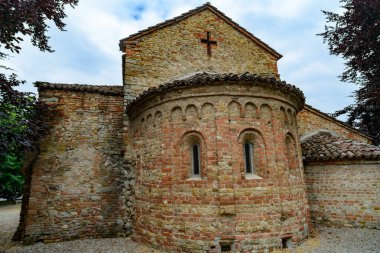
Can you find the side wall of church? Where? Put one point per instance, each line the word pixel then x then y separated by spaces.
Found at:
pixel 178 211
pixel 311 120
pixel 344 193
pixel 77 182
pixel 176 50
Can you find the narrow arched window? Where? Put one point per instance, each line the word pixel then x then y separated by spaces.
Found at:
pixel 252 162
pixel 291 155
pixel 196 160
pixel 248 157
pixel 193 160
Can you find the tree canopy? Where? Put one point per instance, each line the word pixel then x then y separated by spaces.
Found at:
pixel 355 35
pixel 29 18
pixel 22 121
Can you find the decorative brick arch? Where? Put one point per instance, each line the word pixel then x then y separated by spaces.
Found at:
pixel 259 151
pixel 291 154
pixel 187 141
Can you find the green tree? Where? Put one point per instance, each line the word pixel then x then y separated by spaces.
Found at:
pixel 21 116
pixel 13 123
pixel 11 178
pixel 355 35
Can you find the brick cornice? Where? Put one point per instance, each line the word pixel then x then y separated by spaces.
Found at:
pixel 202 79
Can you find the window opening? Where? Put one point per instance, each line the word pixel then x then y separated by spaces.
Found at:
pixel 226 246
pixel 286 243
pixel 248 157
pixel 196 160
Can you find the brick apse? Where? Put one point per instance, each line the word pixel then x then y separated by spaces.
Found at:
pixel 203 149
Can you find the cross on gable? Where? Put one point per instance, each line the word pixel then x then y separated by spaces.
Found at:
pixel 209 42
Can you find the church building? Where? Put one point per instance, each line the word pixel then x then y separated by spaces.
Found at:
pixel 202 149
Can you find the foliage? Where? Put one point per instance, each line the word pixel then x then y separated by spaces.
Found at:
pixel 20 17
pixel 22 123
pixel 22 118
pixel 11 178
pixel 355 35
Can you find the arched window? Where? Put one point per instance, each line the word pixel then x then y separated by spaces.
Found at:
pixel 291 155
pixel 195 160
pixel 192 158
pixel 248 157
pixel 253 159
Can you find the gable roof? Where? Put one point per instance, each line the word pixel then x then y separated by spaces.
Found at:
pixel 326 146
pixel 337 121
pixel 185 15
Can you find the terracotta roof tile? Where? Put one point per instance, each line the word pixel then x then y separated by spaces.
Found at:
pixel 103 89
pixel 185 15
pixel 326 146
pixel 201 79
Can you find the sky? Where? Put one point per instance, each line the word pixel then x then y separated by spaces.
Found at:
pixel 88 52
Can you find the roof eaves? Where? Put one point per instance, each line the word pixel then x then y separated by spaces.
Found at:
pixel 204 78
pixel 102 89
pixel 323 146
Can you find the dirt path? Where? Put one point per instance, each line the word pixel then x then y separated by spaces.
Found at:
pixel 9 216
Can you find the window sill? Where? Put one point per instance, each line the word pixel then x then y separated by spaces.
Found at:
pixel 252 176
pixel 194 178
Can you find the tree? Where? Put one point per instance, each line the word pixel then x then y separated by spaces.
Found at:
pixel 22 118
pixel 355 35
pixel 21 125
pixel 28 18
pixel 11 178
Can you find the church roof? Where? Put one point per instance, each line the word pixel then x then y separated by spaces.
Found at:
pixel 103 89
pixel 185 15
pixel 201 79
pixel 326 146
pixel 337 121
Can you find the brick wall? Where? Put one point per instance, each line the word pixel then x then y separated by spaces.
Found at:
pixel 78 184
pixel 176 50
pixel 178 212
pixel 311 120
pixel 344 193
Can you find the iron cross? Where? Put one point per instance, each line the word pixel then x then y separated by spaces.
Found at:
pixel 209 42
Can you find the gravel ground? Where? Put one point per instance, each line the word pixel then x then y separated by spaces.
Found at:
pixel 341 240
pixel 323 240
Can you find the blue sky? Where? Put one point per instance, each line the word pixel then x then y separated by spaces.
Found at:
pixel 88 51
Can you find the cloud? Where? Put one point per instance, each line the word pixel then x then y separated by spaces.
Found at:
pixel 88 52
pixel 269 8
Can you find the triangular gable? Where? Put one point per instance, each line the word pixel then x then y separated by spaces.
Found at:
pixel 321 119
pixel 185 15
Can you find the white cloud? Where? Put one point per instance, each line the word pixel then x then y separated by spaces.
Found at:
pixel 274 8
pixel 88 52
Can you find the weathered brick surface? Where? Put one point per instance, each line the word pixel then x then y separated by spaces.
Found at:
pixel 176 50
pixel 77 186
pixel 311 120
pixel 82 186
pixel 178 212
pixel 344 193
